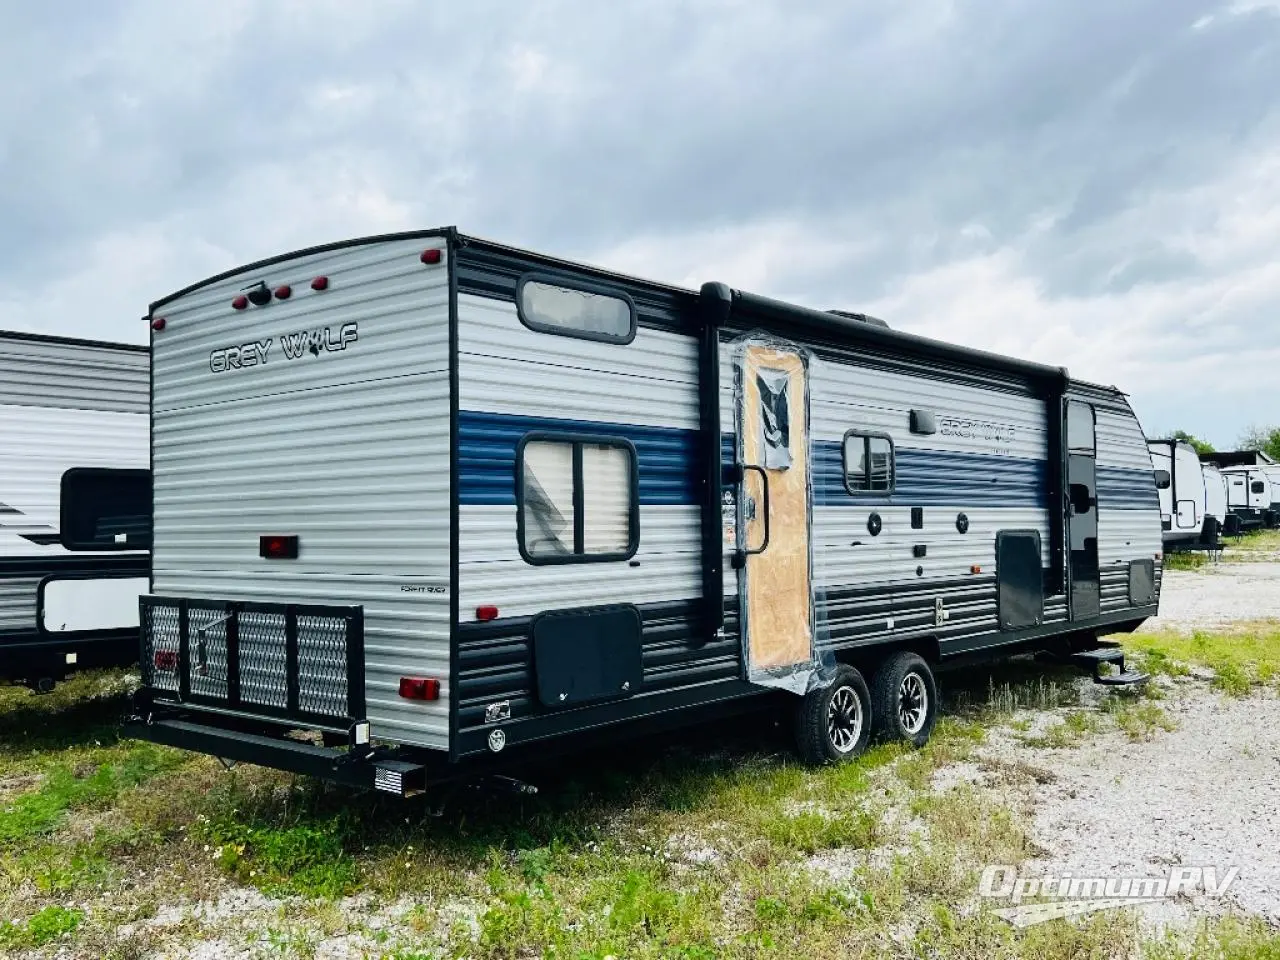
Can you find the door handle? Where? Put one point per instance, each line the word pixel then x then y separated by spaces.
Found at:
pixel 764 484
pixel 764 481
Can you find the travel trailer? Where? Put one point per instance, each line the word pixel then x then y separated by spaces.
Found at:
pixel 1181 489
pixel 446 504
pixel 1248 495
pixel 75 504
pixel 1215 506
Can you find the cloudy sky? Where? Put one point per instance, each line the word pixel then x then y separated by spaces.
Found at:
pixel 1088 183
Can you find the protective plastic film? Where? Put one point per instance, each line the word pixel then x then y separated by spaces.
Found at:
pixel 775 585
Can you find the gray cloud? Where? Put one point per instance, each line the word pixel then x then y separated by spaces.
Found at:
pixel 1080 181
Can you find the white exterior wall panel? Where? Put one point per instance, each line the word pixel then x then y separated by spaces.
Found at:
pixel 347 449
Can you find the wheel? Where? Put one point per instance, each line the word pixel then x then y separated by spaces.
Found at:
pixel 904 698
pixel 833 723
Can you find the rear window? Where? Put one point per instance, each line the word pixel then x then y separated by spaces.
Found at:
pixel 590 313
pixel 105 509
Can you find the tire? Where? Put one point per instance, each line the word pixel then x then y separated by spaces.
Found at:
pixel 833 723
pixel 904 699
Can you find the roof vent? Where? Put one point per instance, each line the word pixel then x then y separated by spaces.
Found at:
pixel 860 317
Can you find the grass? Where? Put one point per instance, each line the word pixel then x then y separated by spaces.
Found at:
pixel 1243 658
pixel 1186 560
pixel 1255 546
pixel 709 843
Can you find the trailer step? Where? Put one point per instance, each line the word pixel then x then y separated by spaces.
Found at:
pixel 1092 661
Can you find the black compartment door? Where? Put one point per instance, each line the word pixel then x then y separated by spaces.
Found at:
pixel 585 655
pixel 1020 579
pixel 1082 527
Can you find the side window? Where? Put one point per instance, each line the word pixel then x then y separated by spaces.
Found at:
pixel 577 499
pixel 1080 427
pixel 551 306
pixel 105 509
pixel 868 462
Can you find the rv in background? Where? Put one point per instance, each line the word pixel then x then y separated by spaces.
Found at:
pixel 1215 507
pixel 1248 496
pixel 439 500
pixel 75 504
pixel 1181 488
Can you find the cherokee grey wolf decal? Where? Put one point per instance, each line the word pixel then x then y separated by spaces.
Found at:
pixel 293 345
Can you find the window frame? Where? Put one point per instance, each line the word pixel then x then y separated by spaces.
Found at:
pixel 65 510
pixel 578 441
pixel 573 283
pixel 868 435
pixel 1092 449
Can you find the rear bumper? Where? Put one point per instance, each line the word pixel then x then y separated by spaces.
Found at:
pixel 371 770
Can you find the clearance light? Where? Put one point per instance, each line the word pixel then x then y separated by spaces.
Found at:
pixel 240 303
pixel 430 257
pixel 284 292
pixel 975 569
pixel 420 688
pixel 158 324
pixel 485 614
pixel 320 283
pixel 278 547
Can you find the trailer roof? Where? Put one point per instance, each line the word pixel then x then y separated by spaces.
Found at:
pixel 72 341
pixel 841 325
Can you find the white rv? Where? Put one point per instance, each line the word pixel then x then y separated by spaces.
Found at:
pixel 1248 495
pixel 1272 473
pixel 441 500
pixel 1215 505
pixel 75 504
pixel 1181 488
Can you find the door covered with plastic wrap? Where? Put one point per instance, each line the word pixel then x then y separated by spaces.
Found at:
pixel 774 555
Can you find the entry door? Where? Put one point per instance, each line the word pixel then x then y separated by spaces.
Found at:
pixel 1082 510
pixel 774 583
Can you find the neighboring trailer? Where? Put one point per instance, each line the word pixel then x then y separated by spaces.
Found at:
pixel 1272 517
pixel 1182 494
pixel 440 499
pixel 74 504
pixel 1215 506
pixel 1248 495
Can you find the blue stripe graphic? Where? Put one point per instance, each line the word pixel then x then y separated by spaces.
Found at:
pixel 668 467
pixel 487 442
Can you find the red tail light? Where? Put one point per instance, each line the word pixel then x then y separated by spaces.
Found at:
pixel 278 547
pixel 166 660
pixel 431 256
pixel 420 688
pixel 158 324
pixel 486 613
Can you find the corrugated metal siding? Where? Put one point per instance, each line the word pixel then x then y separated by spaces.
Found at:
pixel 78 376
pixel 349 450
pixel 18 603
pixel 37 446
pixel 645 391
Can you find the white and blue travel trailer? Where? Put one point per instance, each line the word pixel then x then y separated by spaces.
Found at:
pixel 1182 491
pixel 1248 495
pixel 75 504
pixel 439 500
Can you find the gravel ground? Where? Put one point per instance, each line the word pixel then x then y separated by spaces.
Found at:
pixel 1206 794
pixel 1223 593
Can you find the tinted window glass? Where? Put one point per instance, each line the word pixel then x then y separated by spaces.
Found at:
pixel 106 509
pixel 868 462
pixel 1080 432
pixel 552 308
